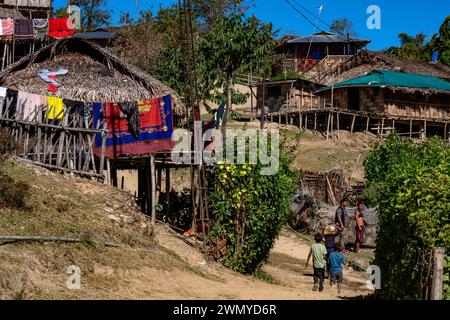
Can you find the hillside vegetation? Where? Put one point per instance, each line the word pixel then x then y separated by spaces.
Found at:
pixel 36 202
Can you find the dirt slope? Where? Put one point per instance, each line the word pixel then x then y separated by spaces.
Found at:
pixel 143 267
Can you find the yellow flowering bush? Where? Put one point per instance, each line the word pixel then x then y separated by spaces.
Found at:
pixel 249 210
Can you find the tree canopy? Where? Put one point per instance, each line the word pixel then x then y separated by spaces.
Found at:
pixel 93 13
pixel 417 48
pixel 343 26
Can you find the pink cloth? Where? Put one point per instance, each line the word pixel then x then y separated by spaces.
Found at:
pixel 7 27
pixel 28 104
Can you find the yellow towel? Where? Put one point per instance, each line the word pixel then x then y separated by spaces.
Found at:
pixel 56 108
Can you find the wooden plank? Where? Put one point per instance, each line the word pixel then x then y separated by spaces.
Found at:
pixel 438 273
pixel 50 166
pixel 353 124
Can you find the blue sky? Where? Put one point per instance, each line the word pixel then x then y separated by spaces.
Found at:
pixel 413 16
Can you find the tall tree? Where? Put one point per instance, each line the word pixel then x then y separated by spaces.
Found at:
pixel 207 11
pixel 139 41
pixel 93 13
pixel 411 47
pixel 441 43
pixel 235 43
pixel 343 26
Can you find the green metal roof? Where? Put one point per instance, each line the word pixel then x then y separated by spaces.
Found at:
pixel 381 78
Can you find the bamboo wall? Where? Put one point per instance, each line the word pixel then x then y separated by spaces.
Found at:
pixel 65 144
pixel 397 104
pixel 290 97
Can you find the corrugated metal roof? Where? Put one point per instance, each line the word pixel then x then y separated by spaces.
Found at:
pixel 96 35
pixel 395 79
pixel 327 37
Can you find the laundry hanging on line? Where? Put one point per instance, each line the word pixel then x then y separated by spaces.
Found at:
pixel 40 27
pixel 7 29
pixel 55 108
pixel 59 28
pixel 27 106
pixel 50 76
pixel 23 29
pixel 155 130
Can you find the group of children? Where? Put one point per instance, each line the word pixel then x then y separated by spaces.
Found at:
pixel 329 258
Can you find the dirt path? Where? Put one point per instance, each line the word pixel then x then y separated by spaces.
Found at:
pixel 212 281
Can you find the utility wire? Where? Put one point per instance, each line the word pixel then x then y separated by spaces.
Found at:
pixel 313 14
pixel 304 16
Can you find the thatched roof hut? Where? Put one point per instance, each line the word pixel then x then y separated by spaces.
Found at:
pixel 95 75
pixel 365 61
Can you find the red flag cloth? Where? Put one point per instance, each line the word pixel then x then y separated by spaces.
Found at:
pixel 51 87
pixel 116 120
pixel 150 113
pixel 59 28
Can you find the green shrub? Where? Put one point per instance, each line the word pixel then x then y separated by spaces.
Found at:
pixel 411 184
pixel 249 210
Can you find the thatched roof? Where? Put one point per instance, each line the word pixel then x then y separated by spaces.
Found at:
pixel 365 61
pixel 95 75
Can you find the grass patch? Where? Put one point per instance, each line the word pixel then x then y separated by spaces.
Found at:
pixel 264 276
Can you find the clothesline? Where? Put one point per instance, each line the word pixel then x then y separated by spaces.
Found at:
pixel 37 28
pixel 131 128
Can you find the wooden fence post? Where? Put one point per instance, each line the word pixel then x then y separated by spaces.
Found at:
pixel 153 188
pixel 438 273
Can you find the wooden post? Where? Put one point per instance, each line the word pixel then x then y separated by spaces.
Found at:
pixel 108 173
pixel 332 125
pixel 158 183
pixel 251 103
pixel 367 124
pixel 62 139
pixel 153 188
pixel 301 120
pixel 263 103
pixel 382 128
pixel 114 179
pixel 338 124
pixel 141 189
pixel 315 121
pixel 306 121
pixel 425 127
pixel 39 135
pixel 410 128
pixel 168 190
pixel 353 124
pixel 103 150
pixel 438 273
pixel 301 99
pixel 445 131
pixel 328 125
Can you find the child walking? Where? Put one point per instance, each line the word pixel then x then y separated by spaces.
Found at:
pixel 337 259
pixel 330 232
pixel 318 252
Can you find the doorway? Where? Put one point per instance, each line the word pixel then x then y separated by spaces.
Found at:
pixel 353 99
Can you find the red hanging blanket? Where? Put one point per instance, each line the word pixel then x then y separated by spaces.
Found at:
pixel 59 28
